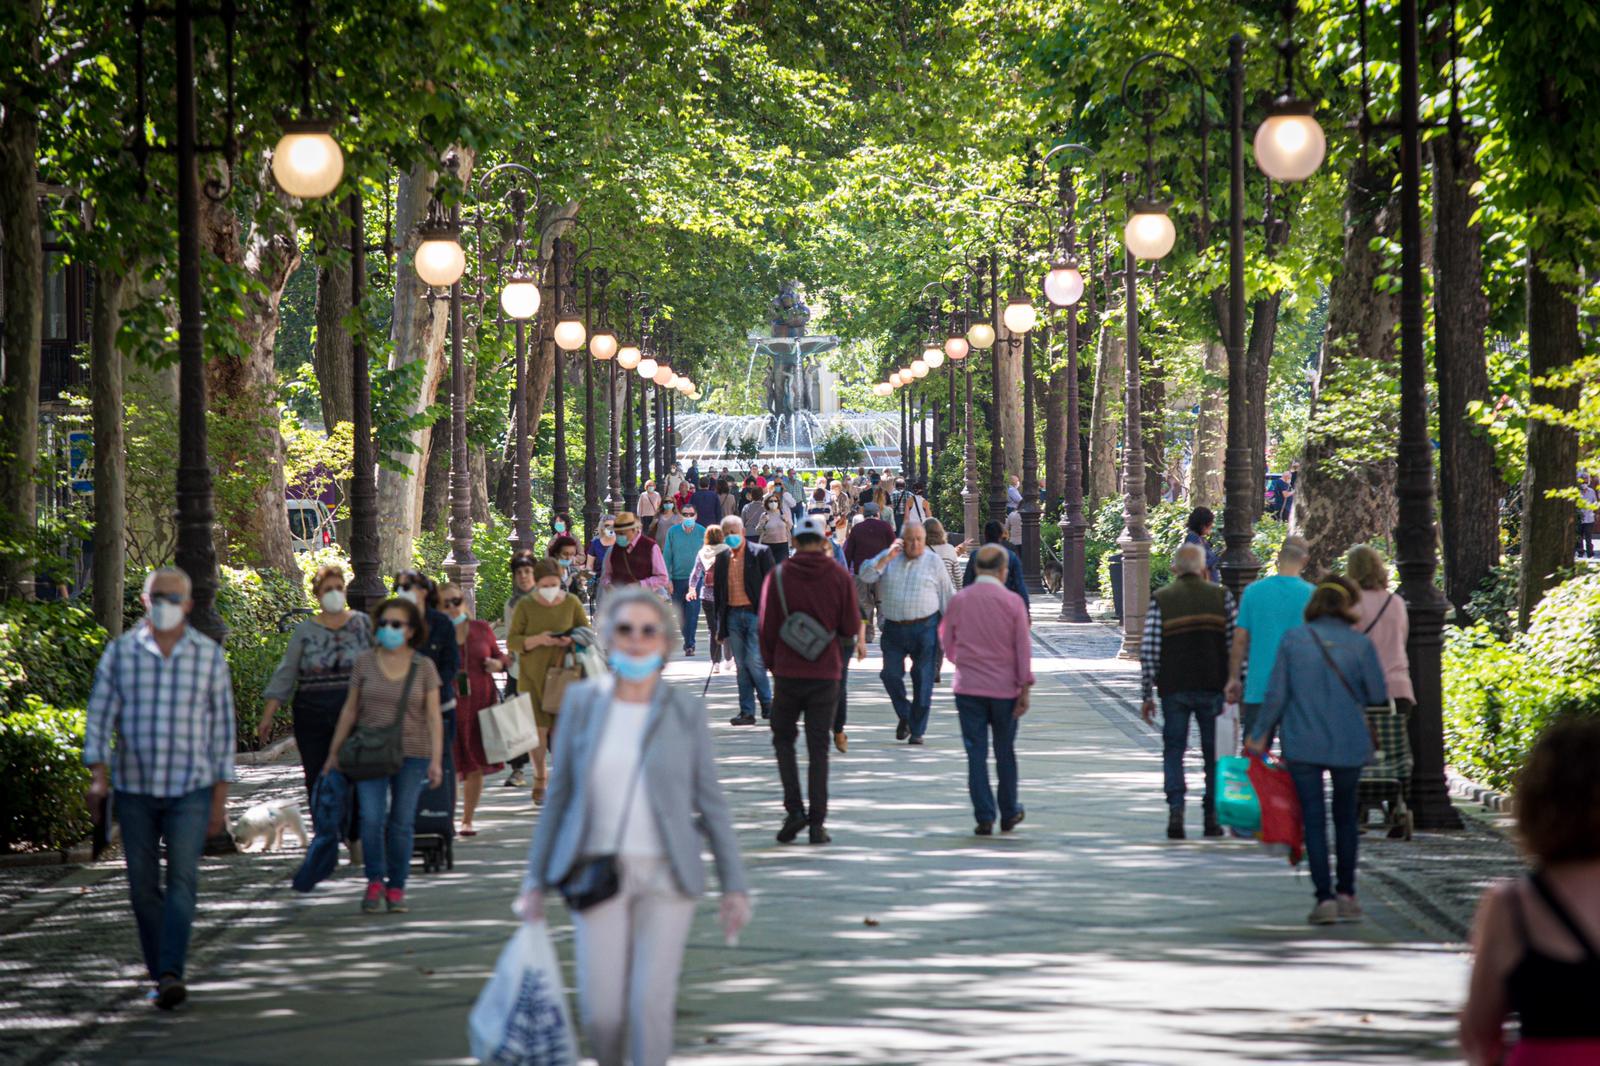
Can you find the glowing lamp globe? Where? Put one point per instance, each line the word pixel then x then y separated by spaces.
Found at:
pixel 1063 285
pixel 440 261
pixel 980 335
pixel 882 388
pixel 569 334
pixel 307 162
pixel 685 386
pixel 894 380
pixel 664 376
pixel 520 298
pixel 603 345
pixel 934 357
pixel 1149 233
pixel 1290 145
pixel 957 348
pixel 647 369
pixel 1019 315
pixel 628 356
pixel 919 369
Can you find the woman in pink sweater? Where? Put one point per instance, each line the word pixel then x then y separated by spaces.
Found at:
pixel 985 634
pixel 1383 618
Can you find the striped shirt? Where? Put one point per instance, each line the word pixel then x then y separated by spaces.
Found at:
pixel 909 589
pixel 172 716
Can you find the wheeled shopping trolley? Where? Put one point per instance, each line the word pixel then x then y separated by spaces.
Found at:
pixel 1386 780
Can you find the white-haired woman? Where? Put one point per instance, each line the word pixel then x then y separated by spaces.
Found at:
pixel 633 791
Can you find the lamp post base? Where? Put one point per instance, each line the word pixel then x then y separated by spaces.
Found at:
pixel 1074 603
pixel 1135 594
pixel 1032 566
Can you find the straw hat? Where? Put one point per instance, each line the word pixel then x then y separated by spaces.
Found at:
pixel 626 522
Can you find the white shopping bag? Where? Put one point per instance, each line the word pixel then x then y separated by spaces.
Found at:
pixel 1230 732
pixel 508 729
pixel 521 1018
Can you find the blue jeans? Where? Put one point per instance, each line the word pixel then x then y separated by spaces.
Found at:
pixel 745 643
pixel 164 915
pixel 389 820
pixel 918 641
pixel 1346 833
pixel 1176 710
pixel 981 715
pixel 689 609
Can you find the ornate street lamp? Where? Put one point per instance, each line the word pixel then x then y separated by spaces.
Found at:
pixel 307 163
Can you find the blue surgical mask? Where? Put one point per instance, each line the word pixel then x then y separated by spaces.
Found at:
pixel 559 527
pixel 460 619
pixel 391 637
pixel 622 539
pixel 734 540
pixel 566 564
pixel 634 667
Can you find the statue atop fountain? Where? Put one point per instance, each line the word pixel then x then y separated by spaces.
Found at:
pixel 792 379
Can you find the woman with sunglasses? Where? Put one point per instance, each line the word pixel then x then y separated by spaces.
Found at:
pixel 315 671
pixel 481 658
pixel 538 635
pixel 381 676
pixel 635 786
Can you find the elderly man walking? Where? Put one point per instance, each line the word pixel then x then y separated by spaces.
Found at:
pixel 1268 609
pixel 913 588
pixel 736 580
pixel 163 692
pixel 1184 655
pixel 807 676
pixel 985 633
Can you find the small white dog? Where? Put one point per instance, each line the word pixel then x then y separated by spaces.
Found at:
pixel 266 823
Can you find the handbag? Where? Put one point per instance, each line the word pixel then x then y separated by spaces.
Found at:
pixel 596 879
pixel 379 751
pixel 508 729
pixel 805 636
pixel 556 679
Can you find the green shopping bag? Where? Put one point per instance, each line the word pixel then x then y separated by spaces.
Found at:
pixel 1238 807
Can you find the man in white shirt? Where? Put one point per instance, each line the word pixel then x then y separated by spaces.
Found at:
pixel 913 590
pixel 1589 493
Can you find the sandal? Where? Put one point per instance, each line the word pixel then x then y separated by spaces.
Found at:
pixel 468 831
pixel 538 795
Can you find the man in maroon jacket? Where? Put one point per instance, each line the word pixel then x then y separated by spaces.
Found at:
pixel 809 582
pixel 871 536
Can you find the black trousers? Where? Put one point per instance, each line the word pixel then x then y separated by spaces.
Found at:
pixel 814 700
pixel 842 708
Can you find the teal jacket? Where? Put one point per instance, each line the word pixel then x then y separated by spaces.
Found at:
pixel 679 548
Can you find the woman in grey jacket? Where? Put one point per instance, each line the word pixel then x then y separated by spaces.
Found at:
pixel 1325 676
pixel 635 780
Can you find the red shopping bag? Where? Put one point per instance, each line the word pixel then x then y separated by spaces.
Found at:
pixel 1281 824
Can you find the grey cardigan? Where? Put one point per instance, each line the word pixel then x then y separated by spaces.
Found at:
pixel 679 788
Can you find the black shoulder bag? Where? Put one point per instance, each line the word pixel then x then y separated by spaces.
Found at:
pixel 805 636
pixel 596 879
pixel 379 751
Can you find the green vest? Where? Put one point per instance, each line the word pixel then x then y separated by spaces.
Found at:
pixel 1194 636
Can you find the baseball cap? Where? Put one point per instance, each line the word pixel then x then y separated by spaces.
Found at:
pixel 869 508
pixel 810 526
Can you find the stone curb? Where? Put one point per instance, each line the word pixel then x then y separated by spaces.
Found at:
pixel 1484 796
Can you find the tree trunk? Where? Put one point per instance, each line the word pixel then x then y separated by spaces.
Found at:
pixel 1210 431
pixel 1105 417
pixel 332 352
pixel 418 332
pixel 436 478
pixel 1153 419
pixel 22 297
pixel 110 446
pixel 1055 425
pixel 1257 367
pixel 1347 475
pixel 245 390
pixel 1469 483
pixel 1008 393
pixel 1549 525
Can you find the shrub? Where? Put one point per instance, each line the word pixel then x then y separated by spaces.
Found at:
pixel 1495 602
pixel 48 650
pixel 252 656
pixel 42 791
pixel 1564 630
pixel 839 448
pixel 492 546
pixel 252 601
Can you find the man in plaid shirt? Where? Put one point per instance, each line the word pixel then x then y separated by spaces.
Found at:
pixel 913 590
pixel 1188 631
pixel 163 691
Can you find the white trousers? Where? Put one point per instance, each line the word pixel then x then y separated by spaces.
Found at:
pixel 629 952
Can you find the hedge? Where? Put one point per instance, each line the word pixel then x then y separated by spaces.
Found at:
pixel 42 790
pixel 49 651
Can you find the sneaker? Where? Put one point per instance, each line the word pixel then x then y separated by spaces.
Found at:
pixel 1213 828
pixel 985 829
pixel 742 719
pixel 372 902
pixel 517 780
pixel 396 900
pixel 915 740
pixel 792 824
pixel 688 653
pixel 1175 826
pixel 1008 824
pixel 820 835
pixel 1326 912
pixel 170 991
pixel 841 742
pixel 1349 908
pixel 902 730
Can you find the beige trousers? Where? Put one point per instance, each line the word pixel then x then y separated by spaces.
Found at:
pixel 629 952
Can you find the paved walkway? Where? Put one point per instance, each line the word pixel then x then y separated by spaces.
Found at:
pixel 1085 937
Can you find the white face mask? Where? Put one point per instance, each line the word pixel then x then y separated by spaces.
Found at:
pixel 551 595
pixel 333 601
pixel 414 595
pixel 166 616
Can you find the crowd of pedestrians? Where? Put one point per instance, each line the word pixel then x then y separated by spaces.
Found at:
pixel 792 582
